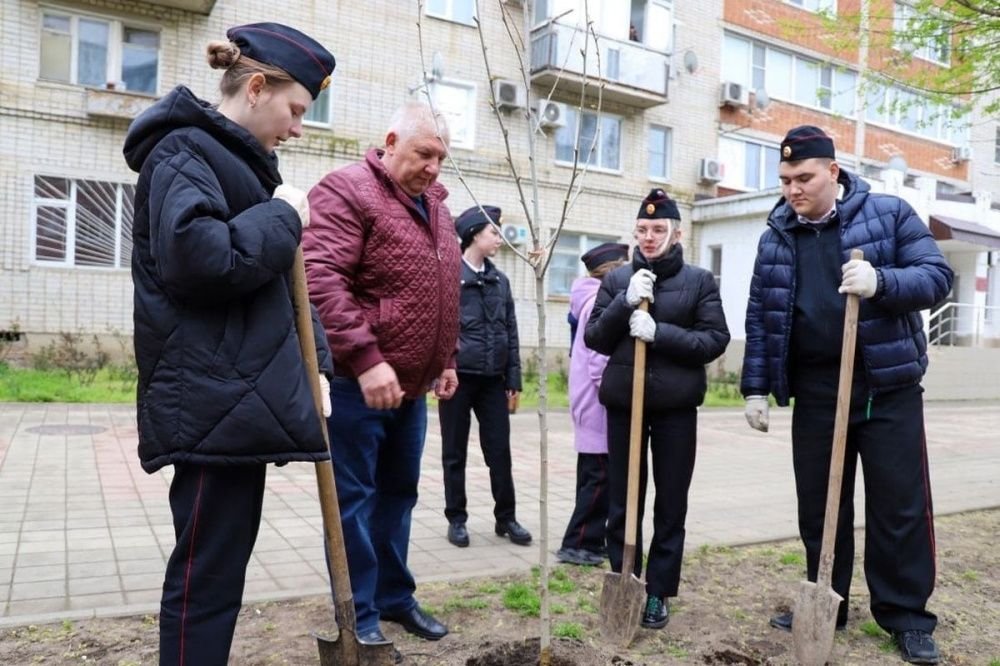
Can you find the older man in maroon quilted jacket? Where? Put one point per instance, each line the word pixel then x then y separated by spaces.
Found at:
pixel 383 267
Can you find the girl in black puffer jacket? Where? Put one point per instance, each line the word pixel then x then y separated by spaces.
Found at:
pixel 684 330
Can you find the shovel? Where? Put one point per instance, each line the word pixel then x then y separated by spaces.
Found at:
pixel 623 594
pixel 815 616
pixel 345 650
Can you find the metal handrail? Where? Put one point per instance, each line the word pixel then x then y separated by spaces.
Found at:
pixel 942 323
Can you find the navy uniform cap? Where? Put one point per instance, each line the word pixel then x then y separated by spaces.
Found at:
pixel 657 206
pixel 604 253
pixel 298 54
pixel 804 142
pixel 471 221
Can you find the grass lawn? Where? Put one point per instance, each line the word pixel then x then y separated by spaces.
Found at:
pixel 110 385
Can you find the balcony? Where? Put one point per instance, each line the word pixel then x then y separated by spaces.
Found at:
pixel 116 103
pixel 197 6
pixel 631 73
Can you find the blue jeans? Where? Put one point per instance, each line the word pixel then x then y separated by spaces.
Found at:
pixel 376 462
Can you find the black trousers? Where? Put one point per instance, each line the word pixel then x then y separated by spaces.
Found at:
pixel 888 435
pixel 216 514
pixel 670 437
pixel 588 525
pixel 487 397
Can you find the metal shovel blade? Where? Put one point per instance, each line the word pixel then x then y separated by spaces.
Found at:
pixel 814 622
pixel 622 599
pixel 346 650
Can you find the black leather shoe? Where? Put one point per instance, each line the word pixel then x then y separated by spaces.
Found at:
pixel 514 531
pixel 784 622
pixel 657 613
pixel 579 556
pixel 376 637
pixel 458 535
pixel 419 623
pixel 917 647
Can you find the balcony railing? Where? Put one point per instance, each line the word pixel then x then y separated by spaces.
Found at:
pixel 631 73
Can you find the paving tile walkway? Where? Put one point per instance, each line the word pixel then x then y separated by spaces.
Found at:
pixel 84 531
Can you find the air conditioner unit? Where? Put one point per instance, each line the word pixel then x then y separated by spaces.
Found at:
pixel 734 94
pixel 508 94
pixel 712 170
pixel 515 234
pixel 551 115
pixel 961 154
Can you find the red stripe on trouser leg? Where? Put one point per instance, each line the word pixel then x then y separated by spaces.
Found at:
pixel 187 572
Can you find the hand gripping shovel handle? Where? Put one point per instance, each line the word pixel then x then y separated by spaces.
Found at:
pixel 345 650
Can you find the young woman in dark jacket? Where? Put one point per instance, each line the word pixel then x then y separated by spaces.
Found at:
pixel 684 330
pixel 489 379
pixel 223 389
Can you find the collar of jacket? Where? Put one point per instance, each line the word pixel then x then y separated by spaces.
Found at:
pixel 666 266
pixel 471 278
pixel 784 218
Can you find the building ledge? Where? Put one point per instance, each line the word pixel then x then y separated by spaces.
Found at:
pixel 116 103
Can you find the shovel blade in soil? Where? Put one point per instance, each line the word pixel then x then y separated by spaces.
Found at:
pixel 622 600
pixel 814 623
pixel 345 650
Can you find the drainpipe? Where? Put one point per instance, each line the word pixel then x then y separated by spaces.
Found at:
pixel 859 97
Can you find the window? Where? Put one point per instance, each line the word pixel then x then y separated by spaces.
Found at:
pixel 815 5
pixel 600 149
pixel 927 42
pixel 565 266
pixel 715 263
pixel 996 147
pixel 788 76
pixel 92 51
pixel 456 101
pixel 749 165
pixel 319 111
pixel 659 152
pixel 461 11
pixel 906 110
pixel 83 222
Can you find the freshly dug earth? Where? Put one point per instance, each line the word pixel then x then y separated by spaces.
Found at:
pixel 727 595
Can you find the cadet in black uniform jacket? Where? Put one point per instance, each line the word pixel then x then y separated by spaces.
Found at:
pixel 684 330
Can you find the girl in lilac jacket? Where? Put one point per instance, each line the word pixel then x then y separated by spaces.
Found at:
pixel 583 542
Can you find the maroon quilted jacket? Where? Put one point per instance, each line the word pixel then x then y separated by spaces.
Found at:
pixel 384 280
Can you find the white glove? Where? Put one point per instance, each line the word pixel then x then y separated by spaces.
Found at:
pixel 640 286
pixel 756 412
pixel 859 278
pixel 324 392
pixel 641 325
pixel 297 199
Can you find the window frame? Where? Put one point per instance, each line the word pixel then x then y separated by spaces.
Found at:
pixel 472 90
pixel 668 149
pixel 115 48
pixel 585 242
pixel 120 258
pixel 996 146
pixel 926 52
pixel 328 123
pixel 802 5
pixel 738 181
pixel 598 147
pixel 449 13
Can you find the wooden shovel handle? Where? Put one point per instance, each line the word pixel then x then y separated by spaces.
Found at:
pixel 325 483
pixel 839 435
pixel 635 450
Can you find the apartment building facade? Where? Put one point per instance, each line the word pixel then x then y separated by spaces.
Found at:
pixel 75 73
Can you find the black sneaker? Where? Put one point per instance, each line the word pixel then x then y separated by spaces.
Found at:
pixel 657 613
pixel 784 622
pixel 917 646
